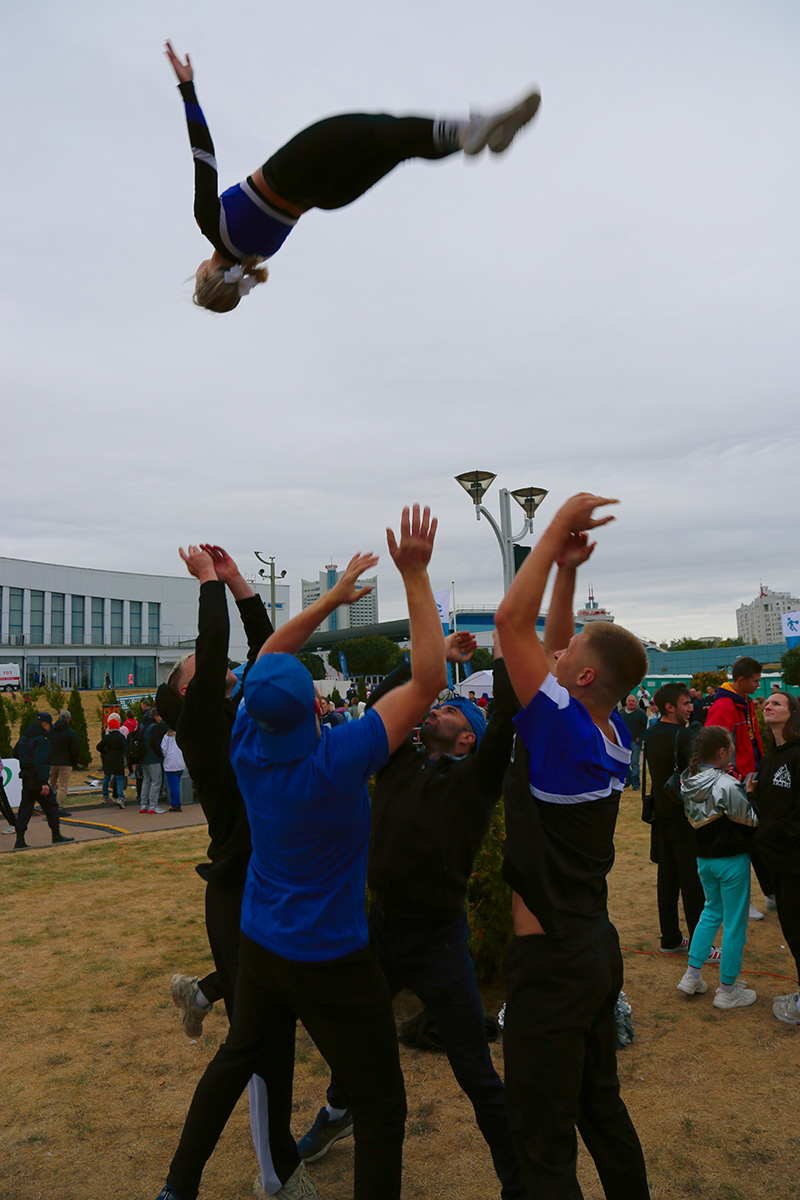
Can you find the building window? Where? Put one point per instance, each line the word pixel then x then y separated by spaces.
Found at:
pixel 116 622
pixel 37 618
pixel 136 622
pixel 57 619
pixel 98 629
pixel 78 631
pixel 15 615
pixel 154 624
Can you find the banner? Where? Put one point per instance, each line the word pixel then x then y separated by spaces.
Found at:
pixel 343 664
pixel 12 782
pixel 443 604
pixel 791 628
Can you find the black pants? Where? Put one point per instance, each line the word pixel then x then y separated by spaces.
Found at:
pixel 787 902
pixel 676 850
pixel 32 795
pixel 335 161
pixel 432 958
pixel 561 1065
pixel 223 922
pixel 344 1005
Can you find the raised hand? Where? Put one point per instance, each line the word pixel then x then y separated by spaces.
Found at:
pixel 577 549
pixel 224 566
pixel 198 562
pixel 459 646
pixel 183 70
pixel 345 588
pixel 576 514
pixel 413 552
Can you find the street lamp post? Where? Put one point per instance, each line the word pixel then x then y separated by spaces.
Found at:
pixel 476 484
pixel 270 562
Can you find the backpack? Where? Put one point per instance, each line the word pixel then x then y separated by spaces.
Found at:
pixel 23 751
pixel 137 743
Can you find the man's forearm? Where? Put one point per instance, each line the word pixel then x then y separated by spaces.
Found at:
pixel 240 588
pixel 292 636
pixel 427 638
pixel 560 626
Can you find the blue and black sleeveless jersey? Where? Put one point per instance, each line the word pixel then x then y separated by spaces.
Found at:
pixel 242 222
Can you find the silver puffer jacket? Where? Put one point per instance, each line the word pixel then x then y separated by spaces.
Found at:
pixel 711 794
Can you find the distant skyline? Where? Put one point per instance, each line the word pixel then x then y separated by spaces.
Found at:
pixel 610 306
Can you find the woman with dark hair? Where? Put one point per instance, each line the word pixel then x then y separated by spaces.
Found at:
pixel 328 165
pixel 778 835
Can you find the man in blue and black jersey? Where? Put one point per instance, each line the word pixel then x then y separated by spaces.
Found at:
pixel 562 793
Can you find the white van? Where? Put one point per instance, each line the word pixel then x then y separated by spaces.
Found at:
pixel 9 677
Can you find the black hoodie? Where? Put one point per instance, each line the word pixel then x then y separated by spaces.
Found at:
pixel 778 803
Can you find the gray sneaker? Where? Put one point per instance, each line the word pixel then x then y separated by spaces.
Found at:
pixel 499 130
pixel 739 997
pixel 299 1186
pixel 690 985
pixel 183 990
pixel 785 1008
pixel 322 1134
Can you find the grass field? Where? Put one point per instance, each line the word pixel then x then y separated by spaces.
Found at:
pixel 97 1075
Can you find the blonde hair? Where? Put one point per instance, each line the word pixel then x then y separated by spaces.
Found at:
pixel 621 655
pixel 214 293
pixel 175 680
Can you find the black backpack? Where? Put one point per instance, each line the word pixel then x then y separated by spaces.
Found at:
pixel 137 743
pixel 23 751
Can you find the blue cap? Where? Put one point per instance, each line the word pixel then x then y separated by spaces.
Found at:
pixel 279 696
pixel 471 711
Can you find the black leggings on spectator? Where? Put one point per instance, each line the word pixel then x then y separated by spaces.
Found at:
pixel 787 902
pixel 333 162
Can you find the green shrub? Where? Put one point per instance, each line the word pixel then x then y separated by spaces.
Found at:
pixel 106 697
pixel 489 903
pixel 361 689
pixel 55 698
pixel 335 698
pixel 5 731
pixel 78 722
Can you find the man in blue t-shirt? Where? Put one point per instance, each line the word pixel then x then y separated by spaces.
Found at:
pixel 304 951
pixel 562 792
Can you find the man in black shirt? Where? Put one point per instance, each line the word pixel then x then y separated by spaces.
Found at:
pixel 431 809
pixel 673 846
pixel 635 719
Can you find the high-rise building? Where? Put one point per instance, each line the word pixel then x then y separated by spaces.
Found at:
pixel 760 621
pixel 347 616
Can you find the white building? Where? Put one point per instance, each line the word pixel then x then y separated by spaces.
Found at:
pixel 347 616
pixel 75 624
pixel 760 621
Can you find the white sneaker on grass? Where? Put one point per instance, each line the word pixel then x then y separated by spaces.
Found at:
pixel 692 985
pixel 740 996
pixel 755 914
pixel 786 1010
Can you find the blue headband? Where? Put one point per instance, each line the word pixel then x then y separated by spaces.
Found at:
pixel 476 719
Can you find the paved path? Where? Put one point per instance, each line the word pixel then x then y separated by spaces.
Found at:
pixel 93 821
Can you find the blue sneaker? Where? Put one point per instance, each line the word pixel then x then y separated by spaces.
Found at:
pixel 167 1193
pixel 322 1134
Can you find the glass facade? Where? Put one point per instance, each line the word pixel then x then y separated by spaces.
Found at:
pixel 37 618
pixel 116 622
pixel 154 624
pixel 57 619
pixel 15 597
pixel 98 624
pixel 78 611
pixel 136 622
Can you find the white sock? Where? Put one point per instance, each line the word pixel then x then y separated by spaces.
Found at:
pixel 200 1000
pixel 335 1114
pixel 726 987
pixel 449 133
pixel 694 972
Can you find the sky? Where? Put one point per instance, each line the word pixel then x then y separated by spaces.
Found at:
pixel 611 306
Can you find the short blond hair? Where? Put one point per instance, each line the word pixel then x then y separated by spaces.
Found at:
pixel 620 655
pixel 217 295
pixel 175 679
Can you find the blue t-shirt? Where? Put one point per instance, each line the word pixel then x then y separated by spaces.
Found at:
pixel 571 760
pixel 309 823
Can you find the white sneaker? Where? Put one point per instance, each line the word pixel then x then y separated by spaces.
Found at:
pixel 499 130
pixel 755 914
pixel 786 1010
pixel 770 904
pixel 690 985
pixel 739 997
pixel 300 1186
pixel 155 810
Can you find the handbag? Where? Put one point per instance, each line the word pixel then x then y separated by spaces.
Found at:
pixel 672 788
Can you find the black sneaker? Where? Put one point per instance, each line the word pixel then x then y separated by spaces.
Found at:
pixel 65 812
pixel 60 840
pixel 322 1134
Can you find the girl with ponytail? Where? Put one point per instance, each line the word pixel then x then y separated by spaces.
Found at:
pixel 718 809
pixel 328 165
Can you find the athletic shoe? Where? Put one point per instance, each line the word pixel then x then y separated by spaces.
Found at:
pixel 65 812
pixel 183 990
pixel 60 840
pixel 714 955
pixel 681 948
pixel 755 914
pixel 692 986
pixel 322 1134
pixel 20 844
pixel 499 130
pixel 142 810
pixel 175 808
pixel 167 1193
pixel 120 802
pixel 740 997
pixel 154 810
pixel 770 904
pixel 299 1186
pixel 785 1008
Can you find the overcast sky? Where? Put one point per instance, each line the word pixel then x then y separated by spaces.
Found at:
pixel 612 306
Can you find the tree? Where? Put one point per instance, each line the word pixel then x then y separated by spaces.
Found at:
pixel 314 664
pixel 55 697
pixel 703 679
pixel 367 655
pixel 482 660
pixel 737 641
pixel 78 722
pixel 361 689
pixel 688 643
pixel 335 698
pixel 5 731
pixel 790 665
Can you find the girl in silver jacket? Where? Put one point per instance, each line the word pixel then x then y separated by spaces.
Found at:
pixel 718 808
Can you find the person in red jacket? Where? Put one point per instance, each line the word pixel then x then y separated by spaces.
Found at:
pixel 734 710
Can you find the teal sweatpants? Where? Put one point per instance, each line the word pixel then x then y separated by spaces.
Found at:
pixel 726 883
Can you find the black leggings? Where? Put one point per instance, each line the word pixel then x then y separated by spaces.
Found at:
pixel 787 902
pixel 335 161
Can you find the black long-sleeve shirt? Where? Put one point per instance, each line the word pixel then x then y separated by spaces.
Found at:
pixel 778 800
pixel 429 817
pixel 205 722
pixel 662 743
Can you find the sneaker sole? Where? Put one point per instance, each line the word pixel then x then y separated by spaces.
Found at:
pixel 499 132
pixel 333 1138
pixel 701 991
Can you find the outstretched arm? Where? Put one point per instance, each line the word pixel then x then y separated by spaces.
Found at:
pixel 524 654
pixel 257 625
pixel 560 626
pixel 292 636
pixel 206 184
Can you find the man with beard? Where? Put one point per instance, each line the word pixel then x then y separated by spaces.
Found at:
pixel 431 809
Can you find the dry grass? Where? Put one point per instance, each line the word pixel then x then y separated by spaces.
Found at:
pixel 97 1076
